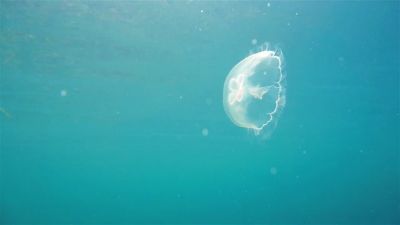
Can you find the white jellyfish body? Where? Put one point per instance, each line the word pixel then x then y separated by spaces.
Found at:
pixel 254 92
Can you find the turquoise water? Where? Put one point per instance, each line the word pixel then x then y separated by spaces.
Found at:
pixel 111 112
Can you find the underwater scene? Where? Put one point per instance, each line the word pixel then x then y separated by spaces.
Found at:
pixel 199 112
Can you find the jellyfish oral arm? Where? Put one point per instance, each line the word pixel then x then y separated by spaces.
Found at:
pixel 258 92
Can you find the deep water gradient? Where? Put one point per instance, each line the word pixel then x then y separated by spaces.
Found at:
pixel 111 112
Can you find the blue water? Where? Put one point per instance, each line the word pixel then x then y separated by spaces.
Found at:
pixel 111 112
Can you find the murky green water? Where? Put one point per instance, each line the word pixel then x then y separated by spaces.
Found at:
pixel 111 112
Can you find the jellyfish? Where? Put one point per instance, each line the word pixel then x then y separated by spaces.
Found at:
pixel 254 91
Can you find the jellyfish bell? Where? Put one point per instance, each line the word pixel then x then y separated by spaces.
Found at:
pixel 254 91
